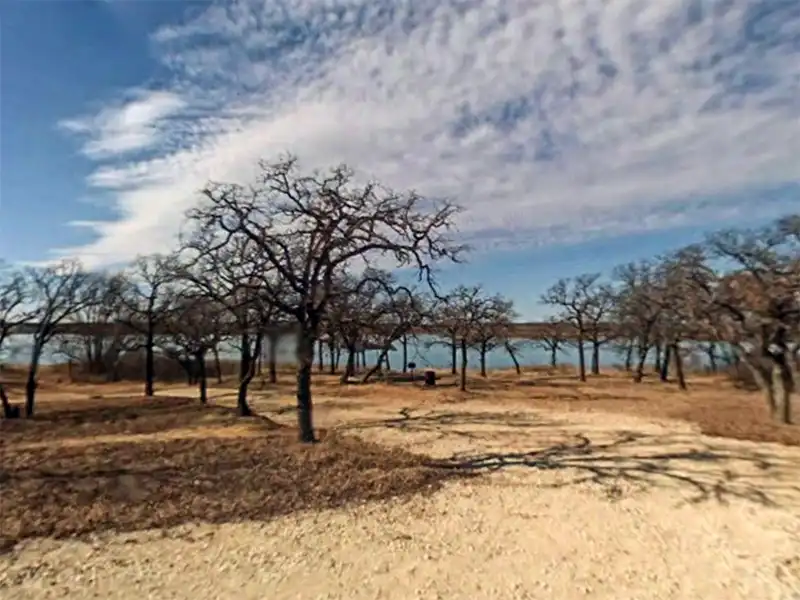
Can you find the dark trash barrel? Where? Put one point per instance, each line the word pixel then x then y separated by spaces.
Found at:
pixel 430 378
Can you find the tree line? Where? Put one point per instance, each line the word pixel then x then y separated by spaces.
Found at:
pixel 353 265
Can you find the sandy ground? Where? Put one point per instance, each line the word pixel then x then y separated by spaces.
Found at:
pixel 573 505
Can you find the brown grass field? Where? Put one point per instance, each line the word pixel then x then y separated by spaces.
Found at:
pixel 100 458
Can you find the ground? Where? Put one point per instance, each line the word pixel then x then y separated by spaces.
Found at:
pixel 536 486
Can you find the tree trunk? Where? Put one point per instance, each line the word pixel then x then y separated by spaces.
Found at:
pixel 202 382
pixel 320 355
pixel 382 357
pixel 454 354
pixel 188 369
pixel 338 357
pixel 463 365
pixel 513 355
pixel 149 362
pixel 639 374
pixel 711 351
pixel 763 375
pixel 33 371
pixel 405 353
pixel 273 358
pixel 664 374
pixel 783 383
pixel 629 357
pixel 350 365
pixel 657 361
pixel 676 353
pixel 554 356
pixel 9 410
pixel 305 364
pixel 331 353
pixel 246 373
pixel 595 357
pixel 483 352
pixel 217 364
pixel 581 360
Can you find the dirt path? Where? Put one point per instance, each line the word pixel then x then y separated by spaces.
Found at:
pixel 591 505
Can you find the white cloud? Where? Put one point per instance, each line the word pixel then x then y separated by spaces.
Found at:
pixel 548 121
pixel 132 125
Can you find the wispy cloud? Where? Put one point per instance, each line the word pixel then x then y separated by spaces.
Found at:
pixel 135 124
pixel 546 120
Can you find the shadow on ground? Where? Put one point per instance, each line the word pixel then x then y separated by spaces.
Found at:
pixel 620 461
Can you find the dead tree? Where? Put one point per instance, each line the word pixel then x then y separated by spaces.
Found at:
pixel 58 293
pixel 308 229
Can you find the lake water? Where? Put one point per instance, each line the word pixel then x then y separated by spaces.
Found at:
pixel 528 354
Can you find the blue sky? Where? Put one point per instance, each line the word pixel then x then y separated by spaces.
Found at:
pixel 577 134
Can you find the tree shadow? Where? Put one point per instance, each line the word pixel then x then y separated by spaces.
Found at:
pixel 639 461
pixel 464 424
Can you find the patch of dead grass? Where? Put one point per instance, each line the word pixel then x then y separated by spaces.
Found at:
pixel 138 465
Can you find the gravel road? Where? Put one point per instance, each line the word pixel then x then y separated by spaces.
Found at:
pixel 653 511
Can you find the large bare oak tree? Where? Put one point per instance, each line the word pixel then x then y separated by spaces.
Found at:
pixel 307 228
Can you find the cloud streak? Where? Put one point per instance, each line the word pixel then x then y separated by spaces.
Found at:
pixel 548 121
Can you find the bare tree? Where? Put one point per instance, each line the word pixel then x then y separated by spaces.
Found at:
pixel 468 312
pixel 307 229
pixel 145 304
pixel 195 327
pixel 639 307
pixel 101 347
pixel 577 300
pixel 552 340
pixel 58 293
pixel 14 292
pixel 230 273
pixel 755 306
pixel 491 329
pixel 400 309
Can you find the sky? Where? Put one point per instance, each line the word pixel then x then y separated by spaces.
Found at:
pixel 577 134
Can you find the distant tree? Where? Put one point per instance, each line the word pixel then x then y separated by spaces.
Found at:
pixel 582 305
pixel 196 325
pixel 491 328
pixel 470 314
pixel 639 307
pixel 552 340
pixel 146 299
pixel 100 348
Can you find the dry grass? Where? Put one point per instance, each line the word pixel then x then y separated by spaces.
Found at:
pixel 97 457
pixel 81 467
